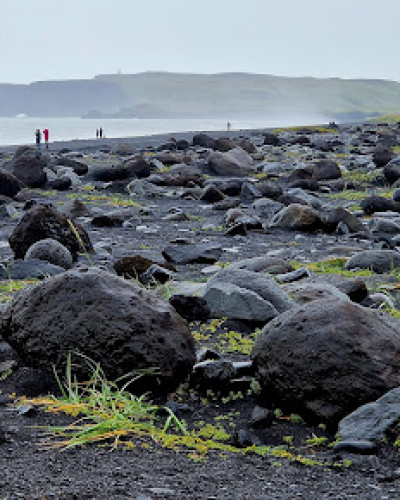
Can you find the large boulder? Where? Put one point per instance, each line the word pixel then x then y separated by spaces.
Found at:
pixel 235 162
pixel 28 168
pixel 9 184
pixel 325 359
pixel 298 218
pixel 106 318
pixel 43 222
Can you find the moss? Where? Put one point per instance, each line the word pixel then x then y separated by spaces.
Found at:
pixel 332 266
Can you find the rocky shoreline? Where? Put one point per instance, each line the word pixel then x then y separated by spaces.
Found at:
pixel 259 273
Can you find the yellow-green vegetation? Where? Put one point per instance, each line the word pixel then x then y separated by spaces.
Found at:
pixel 226 341
pixel 231 341
pixel 109 414
pixel 332 266
pixel 113 200
pixel 9 287
pixel 360 176
pixel 390 118
pixel 316 440
pixel 307 128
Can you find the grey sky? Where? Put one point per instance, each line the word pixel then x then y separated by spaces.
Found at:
pixel 63 39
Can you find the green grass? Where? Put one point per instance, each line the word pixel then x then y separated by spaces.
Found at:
pixel 10 286
pixel 108 413
pixel 332 266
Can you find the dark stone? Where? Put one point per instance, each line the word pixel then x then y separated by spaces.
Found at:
pixel 139 168
pixel 77 166
pixel 382 156
pixel 108 174
pixel 28 168
pixel 360 447
pixel 10 185
pixel 307 358
pixel 379 204
pixel 338 215
pixel 60 184
pixel 391 171
pixel 134 266
pixel 212 194
pixel 185 254
pixel 43 222
pixel 243 438
pixel 326 170
pixel 271 140
pixel 190 307
pixel 261 418
pixel 212 374
pixel 270 189
pixel 112 321
pixel 249 193
pixel 203 140
pixel 224 144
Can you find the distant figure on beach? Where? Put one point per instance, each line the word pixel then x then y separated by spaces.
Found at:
pixel 100 132
pixel 228 126
pixel 97 133
pixel 38 139
pixel 46 137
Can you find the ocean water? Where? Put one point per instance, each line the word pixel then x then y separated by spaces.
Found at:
pixel 21 130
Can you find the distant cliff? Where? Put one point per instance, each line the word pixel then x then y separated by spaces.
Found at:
pixel 225 95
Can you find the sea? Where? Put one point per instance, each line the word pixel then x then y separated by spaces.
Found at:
pixel 21 129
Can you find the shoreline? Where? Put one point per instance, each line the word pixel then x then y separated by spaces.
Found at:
pixel 89 145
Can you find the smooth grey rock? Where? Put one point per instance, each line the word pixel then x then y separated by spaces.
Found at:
pixel 305 292
pixel 381 225
pixel 266 208
pixel 236 162
pixel 25 269
pixel 371 421
pixel 361 447
pixel 262 263
pixel 289 277
pixel 379 261
pixel 231 301
pixel 264 286
pixel 298 218
pixel 51 251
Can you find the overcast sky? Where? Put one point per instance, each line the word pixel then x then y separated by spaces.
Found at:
pixel 65 39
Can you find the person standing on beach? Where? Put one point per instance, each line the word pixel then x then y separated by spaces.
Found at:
pixel 38 139
pixel 97 133
pixel 100 132
pixel 46 137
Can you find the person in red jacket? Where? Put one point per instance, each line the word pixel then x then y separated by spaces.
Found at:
pixel 46 137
